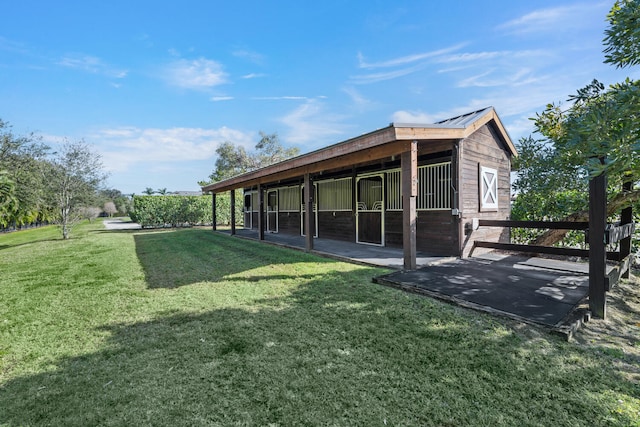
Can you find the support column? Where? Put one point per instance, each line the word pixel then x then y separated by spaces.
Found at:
pixel 309 223
pixel 260 213
pixel 409 165
pixel 232 203
pixel 597 248
pixel 626 217
pixel 213 211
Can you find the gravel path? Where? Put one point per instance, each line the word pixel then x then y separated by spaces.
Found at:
pixel 119 224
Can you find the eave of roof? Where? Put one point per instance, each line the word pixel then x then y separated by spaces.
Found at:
pixel 455 128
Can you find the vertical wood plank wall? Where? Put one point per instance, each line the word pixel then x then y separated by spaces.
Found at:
pixel 483 148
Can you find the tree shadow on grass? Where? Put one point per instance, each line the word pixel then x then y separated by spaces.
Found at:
pixel 174 258
pixel 327 353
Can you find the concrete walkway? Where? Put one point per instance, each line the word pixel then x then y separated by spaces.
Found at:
pixel 348 251
pixel 119 224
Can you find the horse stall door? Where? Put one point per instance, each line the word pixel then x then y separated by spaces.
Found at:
pixel 272 211
pixel 369 210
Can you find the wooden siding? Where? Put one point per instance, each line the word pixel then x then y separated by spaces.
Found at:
pixel 289 223
pixel 436 232
pixel 339 225
pixel 483 148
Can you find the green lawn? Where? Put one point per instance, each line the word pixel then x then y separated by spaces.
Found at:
pixel 191 327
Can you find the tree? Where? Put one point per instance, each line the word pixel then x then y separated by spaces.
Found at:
pixel 23 160
pixel 148 191
pixel 110 208
pixel 162 191
pixel 8 200
pixel 90 213
pixel 622 38
pixel 75 174
pixel 235 160
pixel 600 123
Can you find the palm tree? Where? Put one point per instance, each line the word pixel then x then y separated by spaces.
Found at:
pixel 149 191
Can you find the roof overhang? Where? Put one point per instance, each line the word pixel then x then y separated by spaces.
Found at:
pixel 379 144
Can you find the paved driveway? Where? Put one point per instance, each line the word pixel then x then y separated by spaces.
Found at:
pixel 119 224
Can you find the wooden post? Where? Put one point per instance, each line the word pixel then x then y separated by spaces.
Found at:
pixel 260 213
pixel 626 217
pixel 309 223
pixel 232 203
pixel 597 248
pixel 213 211
pixel 456 195
pixel 409 166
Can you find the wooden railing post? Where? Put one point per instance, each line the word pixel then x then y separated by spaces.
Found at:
pixel 213 211
pixel 309 217
pixel 597 248
pixel 260 212
pixel 626 217
pixel 409 166
pixel 232 203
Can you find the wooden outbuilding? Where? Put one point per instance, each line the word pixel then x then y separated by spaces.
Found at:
pixel 412 186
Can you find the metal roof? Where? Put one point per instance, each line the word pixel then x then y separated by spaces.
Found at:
pixel 458 122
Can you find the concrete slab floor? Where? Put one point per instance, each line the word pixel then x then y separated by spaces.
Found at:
pixel 348 251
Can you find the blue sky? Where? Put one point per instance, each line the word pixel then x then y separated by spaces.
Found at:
pixel 156 86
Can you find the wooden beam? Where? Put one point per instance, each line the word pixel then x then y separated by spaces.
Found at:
pixel 597 248
pixel 409 167
pixel 532 249
pixel 626 217
pixel 617 272
pixel 553 225
pixel 213 211
pixel 260 213
pixel 457 173
pixel 309 223
pixel 232 203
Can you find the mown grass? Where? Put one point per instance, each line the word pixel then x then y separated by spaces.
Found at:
pixel 191 327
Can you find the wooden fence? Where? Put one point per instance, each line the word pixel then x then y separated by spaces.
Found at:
pixel 599 234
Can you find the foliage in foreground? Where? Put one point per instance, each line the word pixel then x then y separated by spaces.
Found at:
pixel 189 327
pixel 596 133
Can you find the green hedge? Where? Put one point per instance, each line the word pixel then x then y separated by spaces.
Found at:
pixel 182 211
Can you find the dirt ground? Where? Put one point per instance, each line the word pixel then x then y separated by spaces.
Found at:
pixel 619 335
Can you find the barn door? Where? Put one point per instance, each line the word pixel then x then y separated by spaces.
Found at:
pixel 369 210
pixel 248 220
pixel 272 211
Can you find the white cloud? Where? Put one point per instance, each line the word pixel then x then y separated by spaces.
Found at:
pixel 401 66
pixel 501 77
pixel 255 57
pixel 404 116
pixel 359 101
pixel 196 74
pixel 91 64
pixel 221 98
pixel 311 123
pixel 253 76
pixel 403 60
pixel 12 46
pixel 124 147
pixel 278 98
pixel 555 19
pixel 389 75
